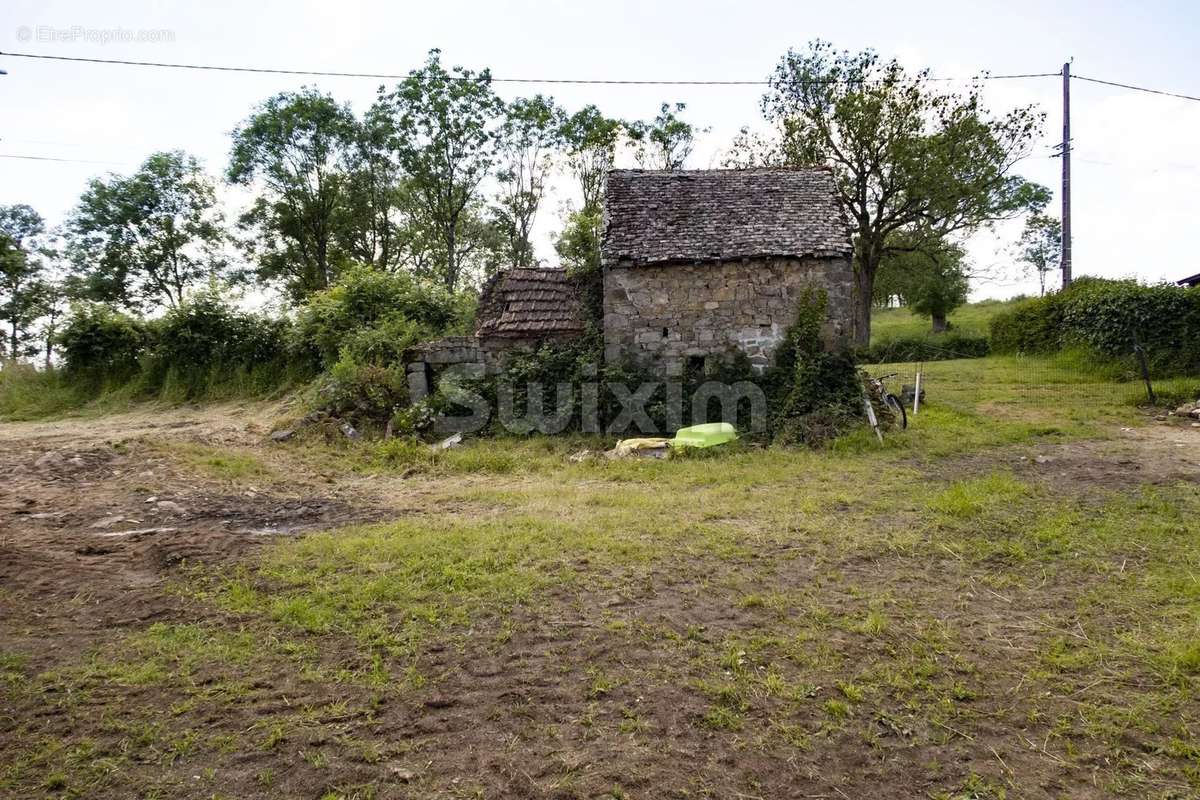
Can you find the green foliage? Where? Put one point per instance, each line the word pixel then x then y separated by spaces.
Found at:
pixel 667 141
pixel 144 240
pixel 591 142
pixel 444 138
pixel 924 348
pixel 294 145
pixel 905 154
pixel 1040 246
pixel 377 315
pixel 528 140
pixel 206 344
pixel 1107 318
pixel 578 248
pixel 100 345
pixel 30 393
pixel 25 294
pixel 816 395
pixel 361 329
pixel 1032 326
pixel 926 274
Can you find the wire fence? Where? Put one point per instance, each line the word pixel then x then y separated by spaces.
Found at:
pixel 1062 386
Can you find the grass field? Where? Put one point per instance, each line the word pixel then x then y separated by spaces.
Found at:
pixel 888 324
pixel 1002 601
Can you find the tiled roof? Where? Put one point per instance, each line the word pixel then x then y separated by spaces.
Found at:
pixel 654 217
pixel 528 303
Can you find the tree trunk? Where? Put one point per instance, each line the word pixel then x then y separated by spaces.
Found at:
pixel 939 323
pixel 864 287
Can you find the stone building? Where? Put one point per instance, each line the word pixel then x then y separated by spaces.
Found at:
pixel 522 308
pixel 700 263
pixel 696 264
pixel 519 309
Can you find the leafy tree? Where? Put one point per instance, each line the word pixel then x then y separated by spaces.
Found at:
pixel 578 248
pixel 591 141
pixel 444 139
pixel 1040 246
pixel 529 139
pixel 928 276
pixel 143 240
pixel 667 141
pixel 296 145
pixel 24 290
pixel 22 298
pixel 906 156
pixel 371 224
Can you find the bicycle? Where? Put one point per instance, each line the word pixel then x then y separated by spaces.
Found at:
pixel 890 400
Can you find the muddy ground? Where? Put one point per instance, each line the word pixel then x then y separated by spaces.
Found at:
pixel 100 519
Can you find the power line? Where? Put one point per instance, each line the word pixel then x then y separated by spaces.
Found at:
pixel 401 76
pixel 63 160
pixel 1136 88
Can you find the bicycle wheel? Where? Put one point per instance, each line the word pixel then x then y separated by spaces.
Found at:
pixel 897 407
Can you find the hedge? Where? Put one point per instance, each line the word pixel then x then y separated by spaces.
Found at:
pixel 924 348
pixel 1109 318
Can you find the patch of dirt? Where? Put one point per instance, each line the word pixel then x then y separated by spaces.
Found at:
pixel 594 688
pixel 93 524
pixel 1151 455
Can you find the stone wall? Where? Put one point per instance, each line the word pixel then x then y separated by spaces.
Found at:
pixel 663 315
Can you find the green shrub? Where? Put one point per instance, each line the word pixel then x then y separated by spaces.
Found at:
pixel 940 347
pixel 1106 318
pixel 367 298
pixel 100 345
pixel 1031 326
pixel 815 395
pixel 208 348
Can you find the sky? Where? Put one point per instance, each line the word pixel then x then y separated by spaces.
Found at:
pixel 1136 172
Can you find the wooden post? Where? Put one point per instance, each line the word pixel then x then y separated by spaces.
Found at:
pixel 1066 176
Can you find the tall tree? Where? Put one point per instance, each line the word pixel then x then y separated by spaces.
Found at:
pixel 1040 246
pixel 667 141
pixel 296 145
pixel 372 226
pixel 23 291
pixel 905 154
pixel 929 276
pixel 444 137
pixel 145 239
pixel 529 140
pixel 591 141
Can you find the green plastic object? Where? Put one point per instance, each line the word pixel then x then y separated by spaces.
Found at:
pixel 707 435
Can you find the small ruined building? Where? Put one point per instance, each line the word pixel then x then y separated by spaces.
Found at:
pixel 519 309
pixel 696 265
pixel 700 263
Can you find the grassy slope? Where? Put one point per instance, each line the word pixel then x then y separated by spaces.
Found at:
pixel 928 604
pixel 896 323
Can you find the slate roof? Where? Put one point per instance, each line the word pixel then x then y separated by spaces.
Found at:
pixel 688 216
pixel 528 303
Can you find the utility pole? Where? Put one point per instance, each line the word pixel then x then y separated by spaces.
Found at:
pixel 1066 176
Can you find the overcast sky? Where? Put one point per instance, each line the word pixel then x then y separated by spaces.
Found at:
pixel 1136 170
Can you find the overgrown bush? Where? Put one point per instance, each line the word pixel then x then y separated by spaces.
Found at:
pixel 100 345
pixel 391 304
pixel 815 395
pixel 924 348
pixel 1108 318
pixel 1031 326
pixel 361 330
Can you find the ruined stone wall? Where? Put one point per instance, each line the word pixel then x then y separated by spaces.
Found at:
pixel 662 315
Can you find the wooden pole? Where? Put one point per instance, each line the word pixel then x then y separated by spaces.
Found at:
pixel 1066 176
